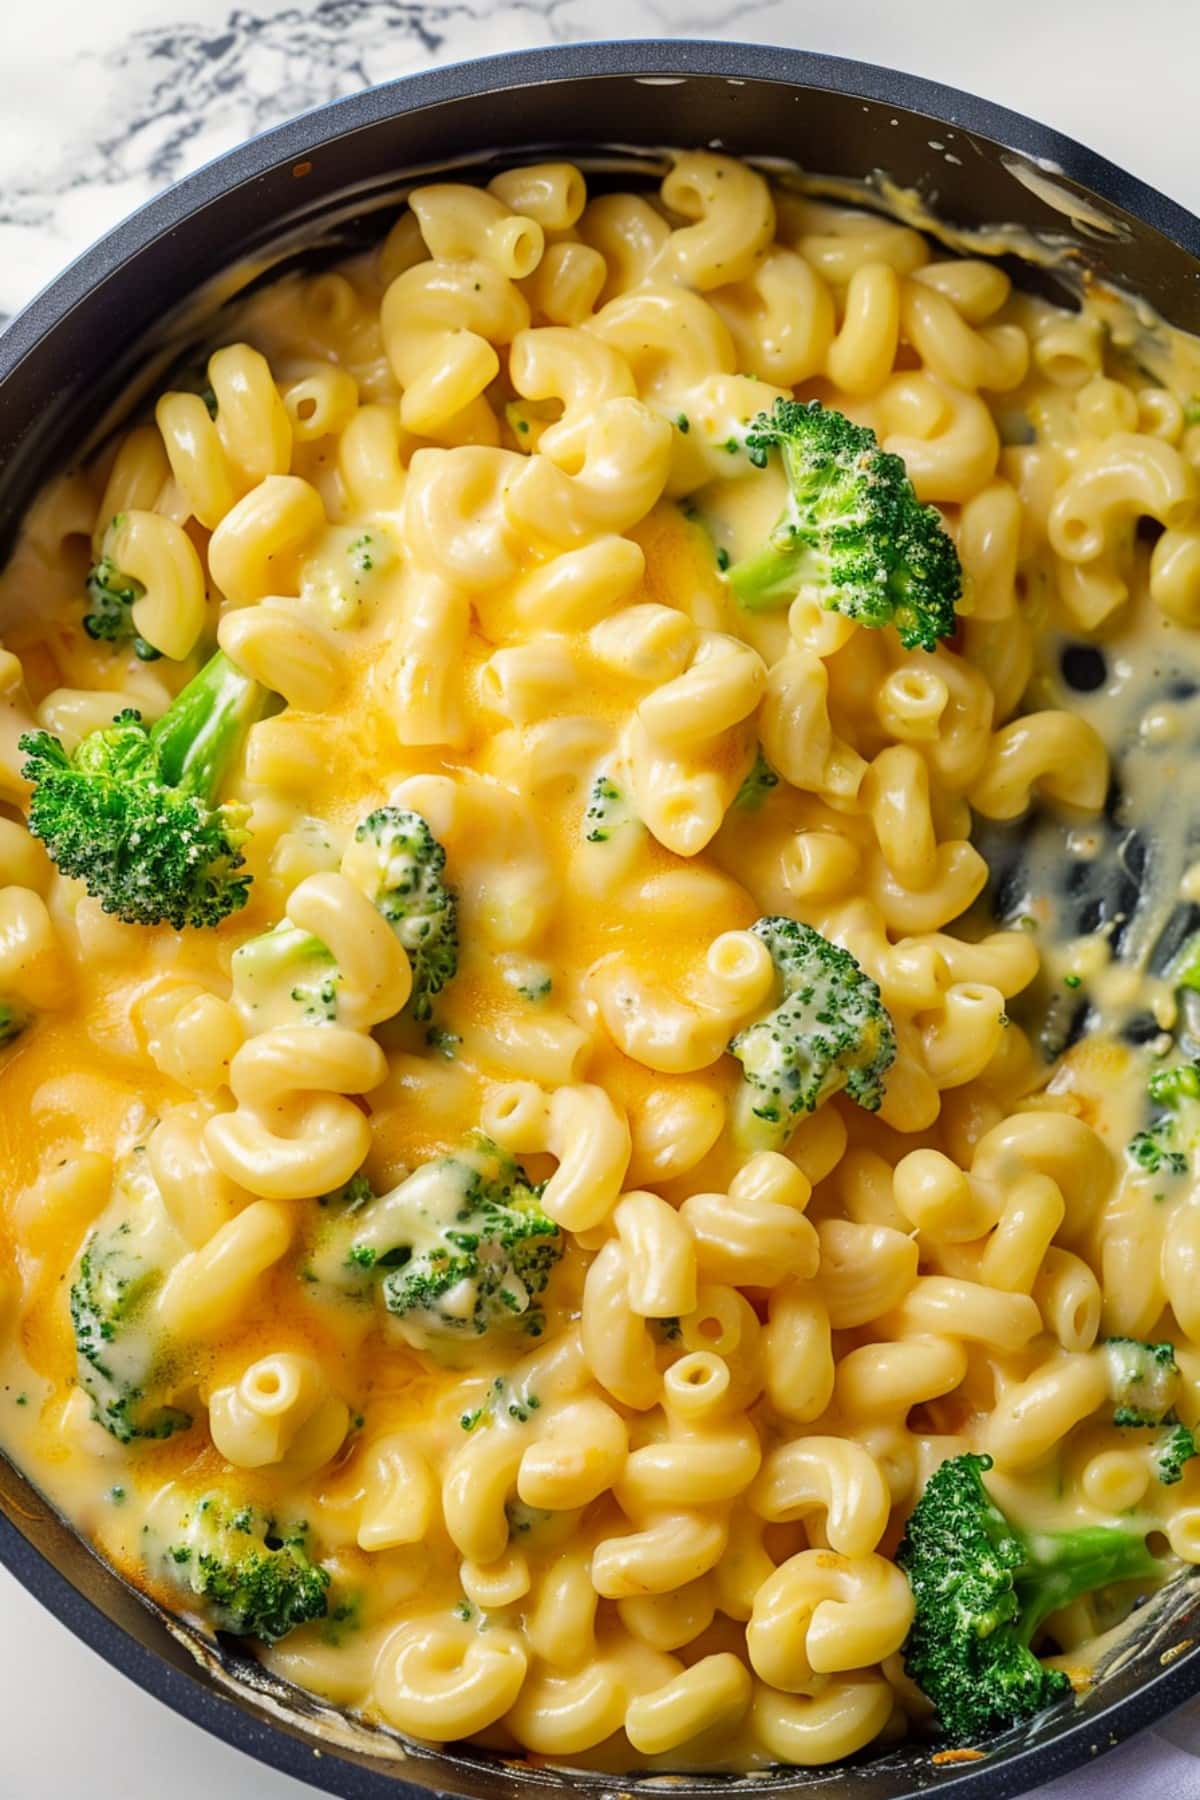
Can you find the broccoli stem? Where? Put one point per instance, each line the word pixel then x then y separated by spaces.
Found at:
pixel 201 732
pixel 773 574
pixel 1062 1567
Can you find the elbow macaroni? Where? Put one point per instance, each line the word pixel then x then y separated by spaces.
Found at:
pixel 463 506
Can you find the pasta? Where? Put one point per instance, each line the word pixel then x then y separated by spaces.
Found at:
pixel 454 1186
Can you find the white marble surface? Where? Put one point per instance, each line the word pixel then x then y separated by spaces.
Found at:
pixel 104 104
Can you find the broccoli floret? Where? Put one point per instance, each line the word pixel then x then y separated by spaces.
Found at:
pixel 1174 1085
pixel 853 529
pixel 1165 1146
pixel 828 1031
pixel 459 1249
pixel 608 810
pixel 255 1578
pixel 1151 1150
pixel 398 863
pixel 285 974
pixel 1143 1380
pixel 112 596
pixel 757 785
pixel 120 1358
pixel 14 1018
pixel 1176 1446
pixel 1184 969
pixel 133 811
pixel 983 1588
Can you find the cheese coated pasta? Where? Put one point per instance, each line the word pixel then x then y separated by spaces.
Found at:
pixel 681 1018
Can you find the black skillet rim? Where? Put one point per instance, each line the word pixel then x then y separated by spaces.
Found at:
pixel 1015 1771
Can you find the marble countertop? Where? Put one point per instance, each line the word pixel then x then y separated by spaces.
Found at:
pixel 104 105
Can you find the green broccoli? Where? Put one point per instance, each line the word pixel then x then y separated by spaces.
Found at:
pixel 853 529
pixel 1164 1147
pixel 399 864
pixel 1174 1085
pixel 828 1031
pixel 459 1249
pixel 284 974
pixel 757 785
pixel 1143 1380
pixel 133 811
pixel 121 1362
pixel 255 1578
pixel 1176 1446
pixel 14 1018
pixel 1151 1150
pixel 609 810
pixel 983 1588
pixel 112 596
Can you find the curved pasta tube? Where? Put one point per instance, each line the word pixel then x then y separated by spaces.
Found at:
pixel 756 1235
pixel 860 358
pixel 1054 1144
pixel 946 437
pixel 780 318
pixel 198 1198
pixel 623 456
pixel 455 516
pixel 254 550
pixel 807 1731
pixel 286 653
pixel 830 1476
pixel 440 323
pixel 425 684
pixel 582 1129
pixel 996 357
pixel 895 792
pixel 1127 476
pixel 33 966
pixel 679 1034
pixel 616 1340
pixel 375 975
pixel 161 556
pixel 401 1499
pixel 798 1352
pixel 192 1036
pixel 553 193
pixel 734 218
pixel 207 1289
pixel 659 1254
pixel 258 1419
pixel 694 1466
pixel 879 1381
pixel 461 223
pixel 1057 754
pixel 578 1455
pixel 672 340
pixel 439 1679
pixel 866 1270
pixel 798 738
pixel 371 455
pixel 629 233
pixel 960 1041
pixel 1033 1416
pixel 138 475
pixel 677 743
pixel 292 1134
pixel 576 368
pixel 674 1548
pixel 215 461
pixel 713 1694
pixel 821 1613
pixel 476 1485
pixel 967 1310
